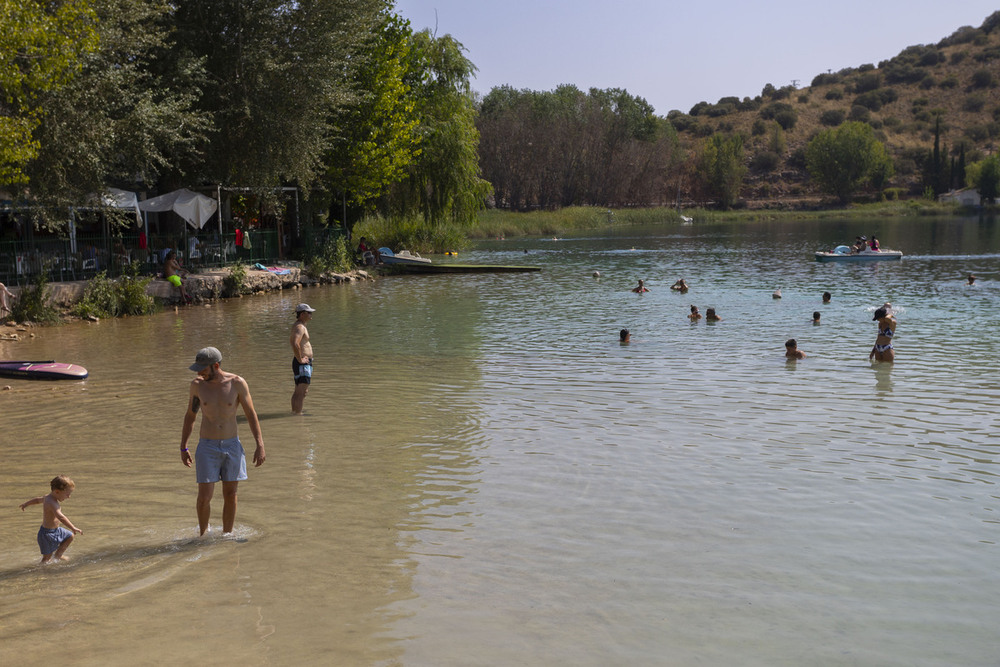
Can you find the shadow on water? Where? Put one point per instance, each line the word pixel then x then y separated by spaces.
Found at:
pixel 883 377
pixel 191 549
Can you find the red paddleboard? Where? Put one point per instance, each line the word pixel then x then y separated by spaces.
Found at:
pixel 42 370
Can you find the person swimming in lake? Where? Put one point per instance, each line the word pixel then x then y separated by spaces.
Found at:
pixel 680 286
pixel 624 336
pixel 882 350
pixel 640 288
pixel 826 297
pixel 710 316
pixel 815 317
pixel 792 350
pixel 695 315
pixel 971 279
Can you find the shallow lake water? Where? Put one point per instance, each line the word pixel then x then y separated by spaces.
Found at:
pixel 485 476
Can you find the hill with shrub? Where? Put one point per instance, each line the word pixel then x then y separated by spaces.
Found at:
pixel 935 107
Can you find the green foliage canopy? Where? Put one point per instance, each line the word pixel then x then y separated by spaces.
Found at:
pixel 40 47
pixel 985 177
pixel 843 158
pixel 721 168
pixel 376 138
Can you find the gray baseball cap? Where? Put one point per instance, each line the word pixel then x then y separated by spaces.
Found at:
pixel 206 357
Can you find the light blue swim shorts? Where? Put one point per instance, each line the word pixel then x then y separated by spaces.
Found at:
pixel 216 460
pixel 49 539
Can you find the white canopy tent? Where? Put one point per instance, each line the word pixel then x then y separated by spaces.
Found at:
pixel 191 206
pixel 123 199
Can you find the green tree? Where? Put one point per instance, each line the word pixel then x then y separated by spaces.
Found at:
pixel 127 114
pixel 276 71
pixel 40 47
pixel 443 182
pixel 721 168
pixel 376 138
pixel 842 159
pixel 985 177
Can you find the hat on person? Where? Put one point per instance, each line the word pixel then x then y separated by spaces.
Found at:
pixel 206 357
pixel 304 308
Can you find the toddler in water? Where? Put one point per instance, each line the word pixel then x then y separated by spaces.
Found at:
pixel 53 539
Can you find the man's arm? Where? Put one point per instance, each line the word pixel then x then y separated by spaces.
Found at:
pixel 296 341
pixel 189 416
pixel 243 396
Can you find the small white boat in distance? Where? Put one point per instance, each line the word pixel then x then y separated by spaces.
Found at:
pixel 401 257
pixel 842 253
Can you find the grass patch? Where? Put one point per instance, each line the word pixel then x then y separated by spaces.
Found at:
pixel 495 223
pixel 412 234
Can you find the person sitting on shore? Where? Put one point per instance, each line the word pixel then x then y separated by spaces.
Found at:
pixel 369 256
pixel 792 350
pixel 680 286
pixel 172 273
pixel 695 315
pixel 640 288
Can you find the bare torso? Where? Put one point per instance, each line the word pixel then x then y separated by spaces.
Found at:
pixel 218 399
pixel 301 347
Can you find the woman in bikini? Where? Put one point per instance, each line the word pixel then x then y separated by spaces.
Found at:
pixel 882 351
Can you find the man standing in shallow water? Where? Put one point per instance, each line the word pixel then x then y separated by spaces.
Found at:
pixel 302 355
pixel 220 454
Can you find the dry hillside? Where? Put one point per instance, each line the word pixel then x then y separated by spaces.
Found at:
pixel 956 80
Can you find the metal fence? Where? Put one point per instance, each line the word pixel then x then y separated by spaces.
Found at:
pixel 22 261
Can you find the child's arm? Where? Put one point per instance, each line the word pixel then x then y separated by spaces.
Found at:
pixel 33 501
pixel 67 522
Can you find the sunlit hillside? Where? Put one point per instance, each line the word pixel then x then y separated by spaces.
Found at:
pixel 956 81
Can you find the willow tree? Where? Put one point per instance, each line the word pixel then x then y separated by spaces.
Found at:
pixel 40 47
pixel 443 183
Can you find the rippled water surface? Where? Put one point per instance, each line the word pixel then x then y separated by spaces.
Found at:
pixel 485 476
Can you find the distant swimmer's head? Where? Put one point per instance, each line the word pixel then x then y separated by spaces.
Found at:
pixel 624 335
pixel 791 344
pixel 815 316
pixel 879 314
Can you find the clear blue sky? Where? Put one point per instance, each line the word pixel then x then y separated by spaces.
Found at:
pixel 676 54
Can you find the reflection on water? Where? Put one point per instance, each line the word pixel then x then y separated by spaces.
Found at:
pixel 484 475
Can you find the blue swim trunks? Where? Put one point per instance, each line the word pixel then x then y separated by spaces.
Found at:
pixel 302 372
pixel 49 539
pixel 216 460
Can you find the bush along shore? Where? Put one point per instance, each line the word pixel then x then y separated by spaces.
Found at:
pixel 51 303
